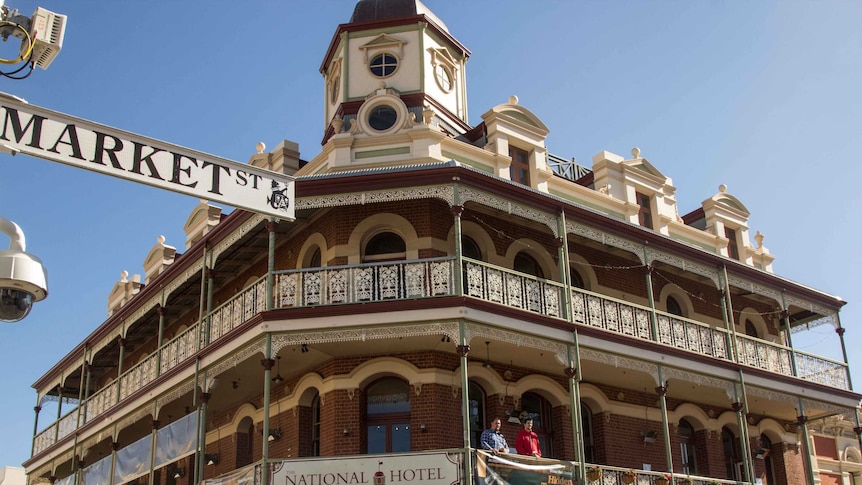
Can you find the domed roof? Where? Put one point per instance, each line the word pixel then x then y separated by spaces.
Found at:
pixel 371 10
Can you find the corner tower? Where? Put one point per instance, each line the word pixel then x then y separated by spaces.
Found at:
pixel 400 48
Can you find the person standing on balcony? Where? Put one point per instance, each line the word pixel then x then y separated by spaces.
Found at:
pixel 493 440
pixel 527 442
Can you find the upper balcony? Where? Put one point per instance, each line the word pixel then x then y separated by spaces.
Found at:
pixel 434 278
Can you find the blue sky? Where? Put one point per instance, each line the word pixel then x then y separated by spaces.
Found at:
pixel 761 96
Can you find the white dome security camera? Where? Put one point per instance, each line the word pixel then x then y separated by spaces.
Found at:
pixel 23 279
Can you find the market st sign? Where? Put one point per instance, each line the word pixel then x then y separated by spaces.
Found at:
pixel 58 137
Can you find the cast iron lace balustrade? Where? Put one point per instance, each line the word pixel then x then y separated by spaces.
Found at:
pixel 429 278
pixel 388 281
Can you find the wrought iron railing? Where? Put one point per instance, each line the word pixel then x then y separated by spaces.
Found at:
pixel 435 277
pixel 388 281
pixel 821 370
pixel 510 288
pixel 232 313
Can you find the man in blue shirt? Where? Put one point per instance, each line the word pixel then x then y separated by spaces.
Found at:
pixel 493 440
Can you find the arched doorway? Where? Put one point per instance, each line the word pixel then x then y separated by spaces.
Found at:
pixel 477 413
pixel 387 416
pixel 244 442
pixel 686 447
pixel 538 409
pixel 732 461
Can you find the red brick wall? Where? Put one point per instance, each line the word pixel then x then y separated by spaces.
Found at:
pixel 563 440
pixel 826 447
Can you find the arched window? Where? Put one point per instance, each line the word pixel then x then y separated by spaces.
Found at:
pixel 385 246
pixel 469 248
pixel 576 279
pixel 750 329
pixel 538 409
pixel 315 260
pixel 477 413
pixel 587 426
pixel 244 442
pixel 686 447
pixel 764 452
pixel 387 416
pixel 524 263
pixel 731 453
pixel 673 307
pixel 315 425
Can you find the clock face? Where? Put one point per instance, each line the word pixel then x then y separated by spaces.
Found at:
pixel 444 77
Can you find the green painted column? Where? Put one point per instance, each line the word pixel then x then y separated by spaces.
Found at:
pixel 80 411
pixel 746 452
pixel 727 313
pixel 858 428
pixel 785 319
pixel 59 409
pixel 267 362
pixel 840 331
pixel 36 409
pixel 457 210
pixel 270 262
pixel 115 446
pixel 564 267
pixel 83 403
pixel 661 390
pixel 463 350
pixel 202 437
pixel 573 375
pixel 160 309
pixel 209 303
pixel 153 432
pixel 729 341
pixel 653 318
pixel 202 302
pixel 807 452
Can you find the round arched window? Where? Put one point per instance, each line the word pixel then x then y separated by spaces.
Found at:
pixel 524 263
pixel 444 77
pixel 673 307
pixel 382 117
pixel 383 65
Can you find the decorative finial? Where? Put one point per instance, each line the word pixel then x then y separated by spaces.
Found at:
pixel 513 99
pixel 161 240
pixel 123 276
pixel 636 152
pixel 261 146
pixel 759 238
pixel 722 188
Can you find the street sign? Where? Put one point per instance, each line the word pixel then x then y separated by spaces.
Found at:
pixel 58 137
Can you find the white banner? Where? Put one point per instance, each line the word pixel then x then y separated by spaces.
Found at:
pixel 404 469
pixel 58 137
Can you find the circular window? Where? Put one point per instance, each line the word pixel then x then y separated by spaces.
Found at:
pixel 334 86
pixel 383 65
pixel 443 76
pixel 382 117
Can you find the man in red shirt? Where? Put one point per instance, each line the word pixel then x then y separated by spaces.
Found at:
pixel 528 442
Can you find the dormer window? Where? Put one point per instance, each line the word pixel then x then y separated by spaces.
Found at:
pixel 519 170
pixel 383 65
pixel 644 210
pixel 732 246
